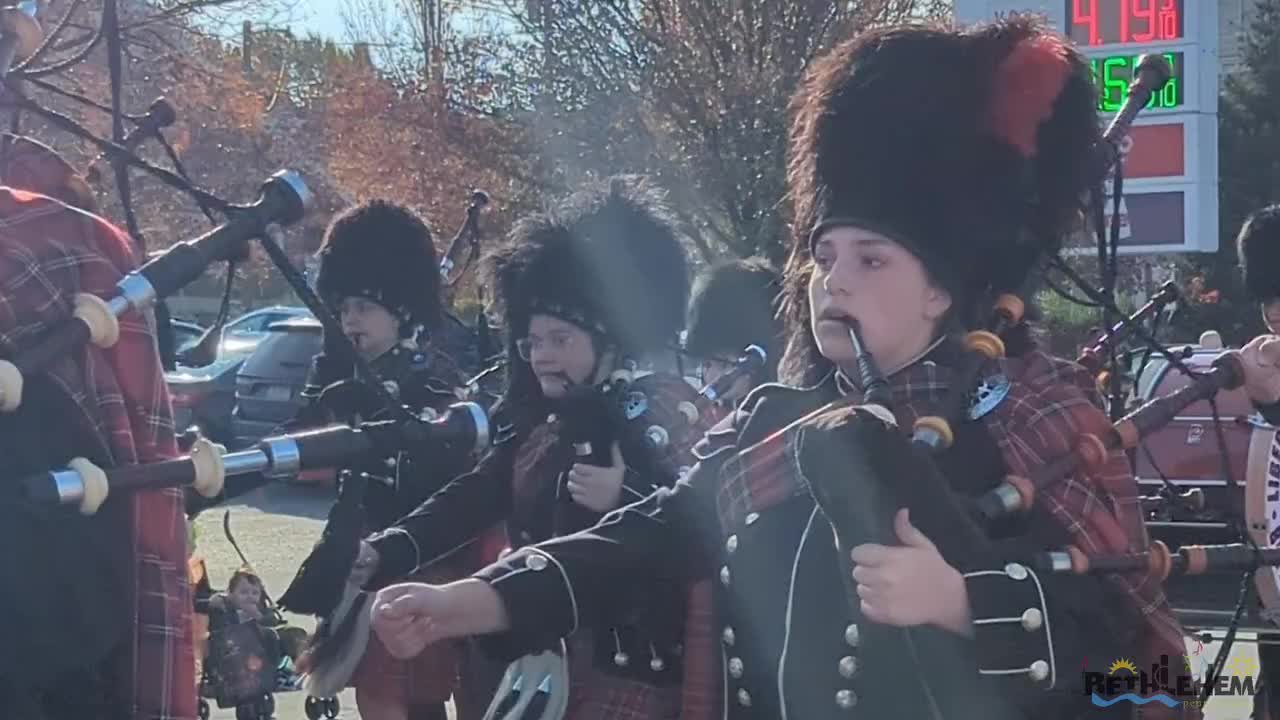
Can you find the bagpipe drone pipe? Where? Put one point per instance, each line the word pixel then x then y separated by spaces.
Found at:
pixel 753 358
pixel 464 428
pixel 283 201
pixel 466 239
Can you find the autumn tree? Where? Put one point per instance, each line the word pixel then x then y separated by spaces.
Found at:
pixel 691 92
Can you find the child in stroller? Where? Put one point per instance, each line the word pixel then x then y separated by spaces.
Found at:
pixel 250 648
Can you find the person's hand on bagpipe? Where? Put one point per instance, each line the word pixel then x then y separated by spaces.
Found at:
pixel 590 418
pixel 598 488
pixel 909 584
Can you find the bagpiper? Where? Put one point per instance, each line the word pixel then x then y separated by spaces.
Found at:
pixel 931 171
pixel 378 273
pixel 593 296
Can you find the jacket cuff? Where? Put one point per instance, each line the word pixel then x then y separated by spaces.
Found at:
pixel 540 601
pixel 398 556
pixel 1012 635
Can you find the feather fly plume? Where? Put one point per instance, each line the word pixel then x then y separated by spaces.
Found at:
pixel 1027 84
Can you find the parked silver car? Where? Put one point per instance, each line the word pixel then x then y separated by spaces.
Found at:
pixel 269 385
pixel 242 335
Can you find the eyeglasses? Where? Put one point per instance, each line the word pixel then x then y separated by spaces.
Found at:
pixel 559 343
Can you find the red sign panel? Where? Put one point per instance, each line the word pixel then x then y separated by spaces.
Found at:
pixel 1155 151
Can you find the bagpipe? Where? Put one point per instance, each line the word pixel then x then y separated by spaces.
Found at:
pixel 283 201
pixel 624 408
pixel 858 438
pixel 753 358
pixel 614 410
pixel 468 237
pixel 464 428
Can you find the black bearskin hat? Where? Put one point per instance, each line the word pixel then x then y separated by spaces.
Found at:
pixel 974 149
pixel 382 251
pixel 1259 250
pixel 609 260
pixel 734 305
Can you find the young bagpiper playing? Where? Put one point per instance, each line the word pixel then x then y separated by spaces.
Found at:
pixel 595 287
pixel 378 272
pixel 932 172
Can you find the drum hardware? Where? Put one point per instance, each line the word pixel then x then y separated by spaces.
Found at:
pixel 1162 504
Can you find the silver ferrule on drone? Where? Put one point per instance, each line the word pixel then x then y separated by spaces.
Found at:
pixel 284 454
pixel 69 485
pixel 136 291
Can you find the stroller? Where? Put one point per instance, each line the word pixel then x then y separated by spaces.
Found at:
pixel 244 661
pixel 247 661
pixel 239 671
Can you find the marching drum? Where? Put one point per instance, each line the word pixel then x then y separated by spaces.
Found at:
pixel 1187 453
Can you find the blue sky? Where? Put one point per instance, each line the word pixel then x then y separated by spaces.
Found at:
pixel 323 17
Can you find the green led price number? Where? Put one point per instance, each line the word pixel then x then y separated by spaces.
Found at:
pixel 1113 75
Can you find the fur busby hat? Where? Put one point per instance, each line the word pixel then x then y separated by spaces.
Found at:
pixel 609 259
pixel 733 306
pixel 382 251
pixel 1259 250
pixel 973 149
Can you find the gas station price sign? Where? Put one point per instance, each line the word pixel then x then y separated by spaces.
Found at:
pixel 1113 73
pixel 1123 22
pixel 1170 156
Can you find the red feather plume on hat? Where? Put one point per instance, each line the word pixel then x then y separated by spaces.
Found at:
pixel 1028 82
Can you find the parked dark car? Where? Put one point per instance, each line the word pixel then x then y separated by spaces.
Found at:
pixel 204 397
pixel 269 385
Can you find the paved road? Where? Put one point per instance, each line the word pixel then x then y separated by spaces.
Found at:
pixel 276 527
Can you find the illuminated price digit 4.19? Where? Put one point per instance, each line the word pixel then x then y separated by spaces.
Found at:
pixel 1101 22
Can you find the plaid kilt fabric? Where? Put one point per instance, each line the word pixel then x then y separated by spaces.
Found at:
pixel 1050 403
pixel 49 253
